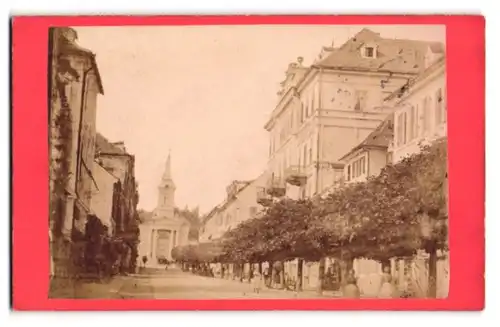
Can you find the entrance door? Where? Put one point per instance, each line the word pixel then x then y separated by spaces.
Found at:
pixel 163 246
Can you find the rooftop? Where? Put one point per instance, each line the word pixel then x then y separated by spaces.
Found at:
pixel 395 55
pixel 103 145
pixel 381 137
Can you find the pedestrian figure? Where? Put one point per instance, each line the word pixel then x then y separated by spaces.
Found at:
pixel 387 289
pixel 257 281
pixel 351 290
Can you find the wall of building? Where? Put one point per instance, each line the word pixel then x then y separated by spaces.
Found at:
pixel 235 210
pixel 324 122
pixel 377 159
pixel 103 196
pixel 416 116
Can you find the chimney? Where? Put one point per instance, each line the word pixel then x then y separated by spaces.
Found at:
pixel 120 145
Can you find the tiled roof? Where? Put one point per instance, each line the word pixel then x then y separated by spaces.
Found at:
pixel 103 145
pixel 395 55
pixel 380 137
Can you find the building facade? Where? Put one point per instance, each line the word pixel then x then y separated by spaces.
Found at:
pixel 421 111
pixel 103 197
pixel 241 204
pixel 117 162
pixel 330 107
pixel 327 108
pixel 420 117
pixel 164 228
pixel 74 85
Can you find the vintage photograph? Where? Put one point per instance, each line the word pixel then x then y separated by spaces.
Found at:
pixel 248 162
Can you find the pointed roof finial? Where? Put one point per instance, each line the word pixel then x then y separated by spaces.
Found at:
pixel 167 174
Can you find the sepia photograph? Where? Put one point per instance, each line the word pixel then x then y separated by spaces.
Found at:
pixel 248 162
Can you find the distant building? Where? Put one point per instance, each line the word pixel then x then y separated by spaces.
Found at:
pixel 241 204
pixel 164 228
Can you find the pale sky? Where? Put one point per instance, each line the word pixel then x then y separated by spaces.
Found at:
pixel 204 92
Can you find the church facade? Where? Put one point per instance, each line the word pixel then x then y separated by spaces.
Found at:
pixel 164 228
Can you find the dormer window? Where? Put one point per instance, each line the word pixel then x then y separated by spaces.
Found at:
pixel 369 51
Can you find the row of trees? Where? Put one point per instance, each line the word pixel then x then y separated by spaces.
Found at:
pixel 394 214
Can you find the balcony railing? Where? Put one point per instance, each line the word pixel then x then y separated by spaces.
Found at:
pixel 263 198
pixel 296 175
pixel 276 187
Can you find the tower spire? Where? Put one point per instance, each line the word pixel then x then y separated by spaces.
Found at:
pixel 167 174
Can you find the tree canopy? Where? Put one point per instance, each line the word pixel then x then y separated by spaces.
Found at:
pixel 392 214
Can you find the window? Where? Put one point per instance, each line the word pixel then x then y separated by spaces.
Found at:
pixel 310 155
pixel 360 98
pixel 305 156
pixel 440 112
pixel 389 157
pixel 426 115
pixel 302 109
pixel 412 127
pixel 306 109
pixel 369 52
pixel 357 168
pixel 401 129
pixel 311 107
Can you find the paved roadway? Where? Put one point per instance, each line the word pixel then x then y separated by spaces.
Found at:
pixel 176 284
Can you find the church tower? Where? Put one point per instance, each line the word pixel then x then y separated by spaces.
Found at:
pixel 166 193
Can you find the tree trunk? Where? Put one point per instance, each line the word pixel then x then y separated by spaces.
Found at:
pixel 260 268
pixel 346 265
pixel 273 276
pixel 300 265
pixel 432 285
pixel 321 275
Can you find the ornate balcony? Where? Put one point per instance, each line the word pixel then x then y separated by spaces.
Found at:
pixel 263 198
pixel 276 187
pixel 296 175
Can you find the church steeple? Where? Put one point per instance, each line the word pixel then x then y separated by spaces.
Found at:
pixel 166 192
pixel 167 173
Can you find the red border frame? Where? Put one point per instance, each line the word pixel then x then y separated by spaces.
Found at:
pixel 466 69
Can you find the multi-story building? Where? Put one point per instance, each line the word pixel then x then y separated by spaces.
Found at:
pixel 242 203
pixel 420 117
pixel 327 108
pixel 421 111
pixel 367 159
pixel 74 85
pixel 115 159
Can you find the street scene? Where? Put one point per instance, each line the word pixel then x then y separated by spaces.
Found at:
pixel 286 161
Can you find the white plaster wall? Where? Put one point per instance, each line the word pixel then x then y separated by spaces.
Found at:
pixel 415 97
pixel 240 209
pixel 102 198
